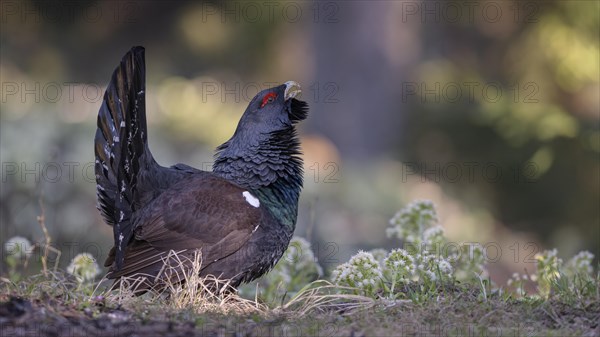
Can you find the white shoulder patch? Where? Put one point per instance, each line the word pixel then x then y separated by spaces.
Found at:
pixel 252 200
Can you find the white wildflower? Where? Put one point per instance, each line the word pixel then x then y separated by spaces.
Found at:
pixel 362 271
pixel 580 264
pixel 84 267
pixel 410 222
pixel 18 247
pixel 434 235
pixel 399 266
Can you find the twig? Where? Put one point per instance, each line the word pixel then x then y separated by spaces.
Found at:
pixel 41 219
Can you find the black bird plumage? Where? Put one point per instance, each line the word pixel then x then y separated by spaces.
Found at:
pixel 241 215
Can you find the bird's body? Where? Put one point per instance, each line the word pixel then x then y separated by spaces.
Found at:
pixel 241 216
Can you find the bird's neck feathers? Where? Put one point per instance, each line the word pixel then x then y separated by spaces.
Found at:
pixel 269 165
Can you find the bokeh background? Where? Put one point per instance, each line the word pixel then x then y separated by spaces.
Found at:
pixel 490 109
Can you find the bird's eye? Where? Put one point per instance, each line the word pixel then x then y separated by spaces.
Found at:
pixel 269 98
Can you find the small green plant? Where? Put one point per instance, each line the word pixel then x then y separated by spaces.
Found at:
pixel 580 264
pixel 417 226
pixel 573 278
pixel 421 262
pixel 17 252
pixel 518 281
pixel 399 266
pixel 362 272
pixel 411 222
pixel 548 265
pixel 84 268
pixel 469 262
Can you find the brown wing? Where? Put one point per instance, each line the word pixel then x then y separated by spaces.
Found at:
pixel 203 212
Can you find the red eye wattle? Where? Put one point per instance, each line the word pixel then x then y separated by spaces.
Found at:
pixel 270 97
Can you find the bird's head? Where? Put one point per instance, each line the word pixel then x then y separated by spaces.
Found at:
pixel 274 109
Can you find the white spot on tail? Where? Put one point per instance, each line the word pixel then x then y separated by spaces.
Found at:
pixel 255 228
pixel 120 244
pixel 252 200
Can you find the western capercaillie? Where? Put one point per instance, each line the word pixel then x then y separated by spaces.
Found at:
pixel 241 216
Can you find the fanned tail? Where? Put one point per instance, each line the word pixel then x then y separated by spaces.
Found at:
pixel 121 148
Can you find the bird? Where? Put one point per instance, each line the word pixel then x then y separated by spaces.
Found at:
pixel 239 217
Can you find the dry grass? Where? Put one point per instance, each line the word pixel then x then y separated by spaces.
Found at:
pixel 46 246
pixel 321 296
pixel 204 293
pixel 180 286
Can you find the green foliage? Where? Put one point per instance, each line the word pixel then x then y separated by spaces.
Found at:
pixel 580 264
pixel 427 262
pixel 548 265
pixel 420 263
pixel 362 272
pixel 574 278
pixel 400 266
pixel 84 267
pixel 17 251
pixel 417 225
pixel 410 223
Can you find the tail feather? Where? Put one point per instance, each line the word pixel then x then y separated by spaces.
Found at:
pixel 121 148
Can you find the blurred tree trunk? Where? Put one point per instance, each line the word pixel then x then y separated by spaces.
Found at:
pixel 362 90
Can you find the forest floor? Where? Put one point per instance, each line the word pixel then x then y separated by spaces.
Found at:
pixel 47 309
